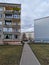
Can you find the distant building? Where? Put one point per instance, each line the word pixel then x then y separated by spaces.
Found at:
pixel 29 35
pixel 10 23
pixel 41 30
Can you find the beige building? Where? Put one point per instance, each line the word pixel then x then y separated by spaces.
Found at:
pixel 10 23
pixel 28 35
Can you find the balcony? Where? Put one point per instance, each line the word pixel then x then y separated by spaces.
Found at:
pixel 8 11
pixel 8 8
pixel 8 16
pixel 16 26
pixel 0 22
pixel 8 22
pixel 14 23
pixel 16 16
pixel 15 30
pixel 7 29
pixel 0 30
pixel 12 8
pixel 17 12
pixel 1 9
pixel 0 16
pixel 16 9
pixel 16 20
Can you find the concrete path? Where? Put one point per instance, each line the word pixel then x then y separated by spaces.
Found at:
pixel 28 57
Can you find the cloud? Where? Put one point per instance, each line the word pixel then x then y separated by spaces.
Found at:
pixel 42 9
pixel 27 30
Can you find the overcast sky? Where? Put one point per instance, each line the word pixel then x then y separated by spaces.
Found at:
pixel 31 9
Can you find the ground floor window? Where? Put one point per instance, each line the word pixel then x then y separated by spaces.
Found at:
pixel 8 36
pixel 0 29
pixel 0 36
pixel 15 36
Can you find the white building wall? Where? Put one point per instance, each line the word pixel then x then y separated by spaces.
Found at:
pixel 41 29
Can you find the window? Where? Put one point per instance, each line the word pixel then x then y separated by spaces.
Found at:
pixel 8 36
pixel 9 8
pixel 0 36
pixel 0 22
pixel 16 16
pixel 0 29
pixel 1 8
pixel 15 30
pixel 8 16
pixel 8 22
pixel 7 29
pixel 0 15
pixel 15 36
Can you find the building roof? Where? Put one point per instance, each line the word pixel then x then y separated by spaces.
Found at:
pixel 10 4
pixel 41 18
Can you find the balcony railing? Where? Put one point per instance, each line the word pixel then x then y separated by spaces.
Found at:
pixel 8 23
pixel 8 10
pixel 15 31
pixel 0 30
pixel 7 29
pixel 8 16
pixel 0 15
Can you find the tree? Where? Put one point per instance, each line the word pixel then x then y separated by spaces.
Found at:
pixel 30 38
pixel 24 37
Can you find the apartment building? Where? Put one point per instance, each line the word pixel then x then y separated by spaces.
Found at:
pixel 10 23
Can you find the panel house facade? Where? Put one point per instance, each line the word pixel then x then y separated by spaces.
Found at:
pixel 10 23
pixel 41 30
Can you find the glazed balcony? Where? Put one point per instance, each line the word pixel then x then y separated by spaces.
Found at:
pixel 9 11
pixel 12 9
pixel 8 8
pixel 0 30
pixel 16 26
pixel 8 22
pixel 15 30
pixel 15 16
pixel 8 16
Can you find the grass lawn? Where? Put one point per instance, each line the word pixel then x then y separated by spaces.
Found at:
pixel 42 52
pixel 10 55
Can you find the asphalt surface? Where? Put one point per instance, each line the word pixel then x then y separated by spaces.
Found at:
pixel 28 57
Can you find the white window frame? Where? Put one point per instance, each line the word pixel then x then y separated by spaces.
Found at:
pixel 0 22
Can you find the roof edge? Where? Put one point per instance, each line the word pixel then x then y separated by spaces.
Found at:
pixel 41 18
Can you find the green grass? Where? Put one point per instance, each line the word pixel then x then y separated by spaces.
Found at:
pixel 10 55
pixel 42 52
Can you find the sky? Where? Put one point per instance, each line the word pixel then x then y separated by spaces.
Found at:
pixel 30 10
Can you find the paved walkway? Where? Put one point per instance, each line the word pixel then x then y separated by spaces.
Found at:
pixel 28 57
